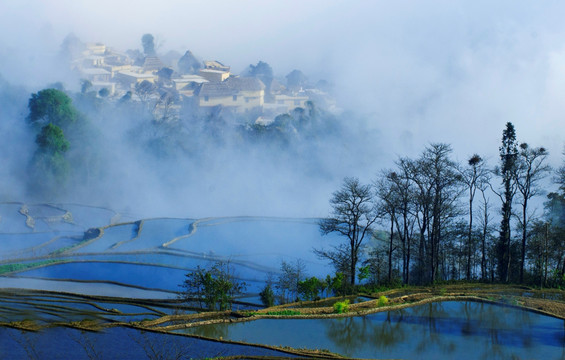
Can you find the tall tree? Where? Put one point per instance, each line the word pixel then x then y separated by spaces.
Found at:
pixel 51 106
pixel 387 208
pixel 531 169
pixel 507 171
pixel 438 187
pixel 263 72
pixel 147 41
pixel 404 189
pixel 51 140
pixel 485 224
pixel 295 79
pixel 353 216
pixel 52 114
pixel 49 167
pixel 473 176
pixel 394 191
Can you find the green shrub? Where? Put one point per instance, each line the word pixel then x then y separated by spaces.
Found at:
pixel 309 288
pixel 341 307
pixel 267 296
pixel 383 301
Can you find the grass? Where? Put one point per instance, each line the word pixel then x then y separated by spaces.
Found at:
pixel 8 268
pixel 284 312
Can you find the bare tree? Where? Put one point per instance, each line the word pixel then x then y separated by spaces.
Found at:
pixel 353 216
pixel 473 177
pixel 394 190
pixel 438 189
pixel 405 192
pixel 387 208
pixel 531 169
pixel 289 277
pixel 485 224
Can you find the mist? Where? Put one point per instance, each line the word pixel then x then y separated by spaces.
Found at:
pixel 404 75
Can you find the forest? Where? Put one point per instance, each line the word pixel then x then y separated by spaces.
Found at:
pixel 435 220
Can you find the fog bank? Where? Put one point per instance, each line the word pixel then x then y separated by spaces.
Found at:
pixel 411 73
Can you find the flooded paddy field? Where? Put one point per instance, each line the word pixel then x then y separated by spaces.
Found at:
pixel 439 330
pixel 152 254
pixel 91 279
pixel 117 343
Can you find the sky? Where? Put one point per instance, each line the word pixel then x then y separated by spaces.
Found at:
pixel 429 70
pixel 417 71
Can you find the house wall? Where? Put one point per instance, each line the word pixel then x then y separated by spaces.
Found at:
pixel 101 77
pixel 214 75
pixel 132 79
pixel 98 75
pixel 98 49
pixel 290 102
pixel 113 69
pixel 244 100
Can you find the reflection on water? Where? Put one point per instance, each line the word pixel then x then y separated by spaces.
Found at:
pixel 115 343
pixel 466 330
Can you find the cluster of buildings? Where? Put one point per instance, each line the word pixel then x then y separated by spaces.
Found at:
pixel 213 85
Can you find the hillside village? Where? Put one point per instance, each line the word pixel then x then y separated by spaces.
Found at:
pixel 186 81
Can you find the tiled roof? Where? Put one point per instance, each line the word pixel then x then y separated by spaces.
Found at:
pixel 152 63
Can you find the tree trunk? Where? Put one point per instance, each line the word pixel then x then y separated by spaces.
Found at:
pixel 407 260
pixel 469 238
pixel 483 245
pixel 390 249
pixel 524 234
pixel 353 265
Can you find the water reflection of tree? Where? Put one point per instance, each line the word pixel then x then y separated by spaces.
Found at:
pixel 434 317
pixel 215 331
pixel 487 330
pixel 348 333
pixel 390 332
pixel 492 325
pixel 87 342
pixel 161 347
pixel 28 342
pixel 365 332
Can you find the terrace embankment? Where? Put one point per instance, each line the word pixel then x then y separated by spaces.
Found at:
pixel 519 297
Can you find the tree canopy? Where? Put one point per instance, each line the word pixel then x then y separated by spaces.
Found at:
pixel 51 106
pixel 263 72
pixel 52 140
pixel 147 41
pixel 296 79
pixel 214 287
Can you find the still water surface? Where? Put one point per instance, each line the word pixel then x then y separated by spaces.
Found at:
pixel 115 343
pixel 444 330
